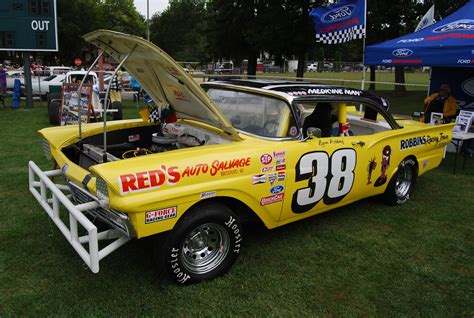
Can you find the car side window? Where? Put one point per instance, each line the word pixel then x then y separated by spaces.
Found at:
pixel 342 118
pixel 259 115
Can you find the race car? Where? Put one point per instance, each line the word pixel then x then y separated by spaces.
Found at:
pixel 209 158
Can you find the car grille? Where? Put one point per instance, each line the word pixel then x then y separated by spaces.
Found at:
pixel 47 149
pixel 102 190
pixel 114 219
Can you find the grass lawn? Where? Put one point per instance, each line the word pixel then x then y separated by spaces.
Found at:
pixel 365 259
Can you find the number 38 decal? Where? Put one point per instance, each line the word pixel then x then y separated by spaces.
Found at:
pixel 330 179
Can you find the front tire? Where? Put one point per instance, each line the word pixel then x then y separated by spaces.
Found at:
pixel 203 245
pixel 402 184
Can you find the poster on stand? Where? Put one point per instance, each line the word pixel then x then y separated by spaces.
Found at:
pixel 73 104
pixel 464 121
pixel 436 119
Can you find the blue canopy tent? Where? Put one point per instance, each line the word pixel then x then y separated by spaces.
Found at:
pixel 449 42
pixel 447 46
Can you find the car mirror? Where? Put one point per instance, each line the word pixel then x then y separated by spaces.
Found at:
pixel 313 132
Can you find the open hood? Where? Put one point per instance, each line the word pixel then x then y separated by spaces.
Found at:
pixel 162 78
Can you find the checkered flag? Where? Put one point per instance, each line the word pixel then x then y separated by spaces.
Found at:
pixel 342 36
pixel 154 115
pixel 340 22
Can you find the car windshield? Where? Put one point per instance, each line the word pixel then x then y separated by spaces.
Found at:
pixel 77 78
pixel 256 114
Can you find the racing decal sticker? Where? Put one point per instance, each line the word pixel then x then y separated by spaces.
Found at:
pixel 259 179
pixel 225 167
pixel 425 163
pixel 281 175
pixel 178 93
pixel 209 194
pixel 277 189
pixel 328 178
pixel 148 180
pixel 279 154
pixel 412 142
pixel 268 169
pixel 160 215
pixel 272 178
pixel 386 152
pixel 370 168
pixel 272 199
pixel 266 159
pixel 293 131
pixel 279 162
pixel 415 142
pixel 280 167
pixel 326 91
pixel 172 70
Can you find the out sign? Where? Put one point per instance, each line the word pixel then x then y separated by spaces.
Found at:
pixel 37 25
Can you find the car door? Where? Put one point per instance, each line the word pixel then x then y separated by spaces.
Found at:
pixel 325 173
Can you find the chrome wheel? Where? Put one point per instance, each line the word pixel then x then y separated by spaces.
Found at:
pixel 404 181
pixel 205 248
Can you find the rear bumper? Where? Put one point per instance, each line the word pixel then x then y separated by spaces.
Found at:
pixel 52 196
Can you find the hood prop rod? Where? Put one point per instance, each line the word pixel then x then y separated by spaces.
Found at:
pixel 80 93
pixel 106 101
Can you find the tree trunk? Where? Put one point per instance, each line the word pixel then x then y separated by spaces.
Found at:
pixel 301 64
pixel 372 78
pixel 252 66
pixel 400 78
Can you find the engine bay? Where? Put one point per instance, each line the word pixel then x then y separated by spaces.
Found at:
pixel 140 141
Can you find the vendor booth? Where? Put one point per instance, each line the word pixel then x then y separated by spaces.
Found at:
pixel 446 46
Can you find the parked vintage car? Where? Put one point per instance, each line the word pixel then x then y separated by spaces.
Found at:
pixel 234 151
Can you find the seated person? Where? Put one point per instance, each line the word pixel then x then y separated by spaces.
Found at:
pixel 320 118
pixel 442 102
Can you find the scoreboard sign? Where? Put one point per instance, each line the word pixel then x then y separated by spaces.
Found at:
pixel 28 25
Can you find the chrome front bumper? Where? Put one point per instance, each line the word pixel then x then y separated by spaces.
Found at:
pixel 51 196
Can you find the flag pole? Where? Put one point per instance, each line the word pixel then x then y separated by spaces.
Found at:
pixel 363 46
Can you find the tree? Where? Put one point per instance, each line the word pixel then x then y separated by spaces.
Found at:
pixel 122 16
pixel 180 30
pixel 235 29
pixel 75 18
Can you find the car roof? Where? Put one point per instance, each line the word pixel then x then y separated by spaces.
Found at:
pixel 259 83
pixel 299 88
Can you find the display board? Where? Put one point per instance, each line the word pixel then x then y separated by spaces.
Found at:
pixel 28 25
pixel 71 104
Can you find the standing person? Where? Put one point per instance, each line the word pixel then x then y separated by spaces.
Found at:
pixel 442 102
pixel 116 88
pixel 2 96
pixel 136 87
pixel 3 85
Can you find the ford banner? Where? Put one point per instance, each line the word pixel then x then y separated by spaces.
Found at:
pixel 339 22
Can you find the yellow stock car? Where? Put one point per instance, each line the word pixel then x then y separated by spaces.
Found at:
pixel 208 158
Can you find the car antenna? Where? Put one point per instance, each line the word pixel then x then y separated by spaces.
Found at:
pixel 106 101
pixel 80 93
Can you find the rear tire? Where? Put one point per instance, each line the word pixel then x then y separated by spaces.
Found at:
pixel 402 183
pixel 53 112
pixel 118 115
pixel 203 245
